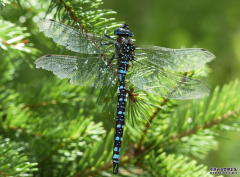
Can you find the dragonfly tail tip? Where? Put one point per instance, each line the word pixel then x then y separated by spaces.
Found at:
pixel 115 168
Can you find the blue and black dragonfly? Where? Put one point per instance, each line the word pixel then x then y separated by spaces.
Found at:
pixel 108 62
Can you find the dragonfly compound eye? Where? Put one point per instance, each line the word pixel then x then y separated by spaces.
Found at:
pixel 123 30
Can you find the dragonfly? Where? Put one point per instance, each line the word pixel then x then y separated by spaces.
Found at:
pixel 110 60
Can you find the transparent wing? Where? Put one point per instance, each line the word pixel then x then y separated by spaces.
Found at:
pixel 165 84
pixel 90 71
pixel 74 39
pixel 180 60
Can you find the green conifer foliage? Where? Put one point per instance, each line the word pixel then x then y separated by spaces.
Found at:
pixel 51 128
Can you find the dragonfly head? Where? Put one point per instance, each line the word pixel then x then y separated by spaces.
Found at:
pixel 123 30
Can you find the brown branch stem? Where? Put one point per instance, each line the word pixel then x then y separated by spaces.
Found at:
pixel 147 124
pixel 3 174
pixel 44 103
pixel 72 14
pixel 207 125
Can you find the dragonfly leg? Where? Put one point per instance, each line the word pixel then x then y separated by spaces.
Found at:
pixel 136 48
pixel 109 43
pixel 108 37
pixel 105 34
pixel 139 54
pixel 110 61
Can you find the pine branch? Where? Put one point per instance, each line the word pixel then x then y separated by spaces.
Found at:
pixel 14 40
pixel 13 160
pixel 84 14
pixel 54 152
pixel 216 121
pixel 174 139
pixel 72 15
pixel 171 165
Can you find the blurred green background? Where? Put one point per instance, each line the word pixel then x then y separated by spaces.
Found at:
pixel 213 25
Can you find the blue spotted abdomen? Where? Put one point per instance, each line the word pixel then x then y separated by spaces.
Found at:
pixel 122 71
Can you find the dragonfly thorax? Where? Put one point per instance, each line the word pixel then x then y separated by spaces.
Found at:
pixel 125 48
